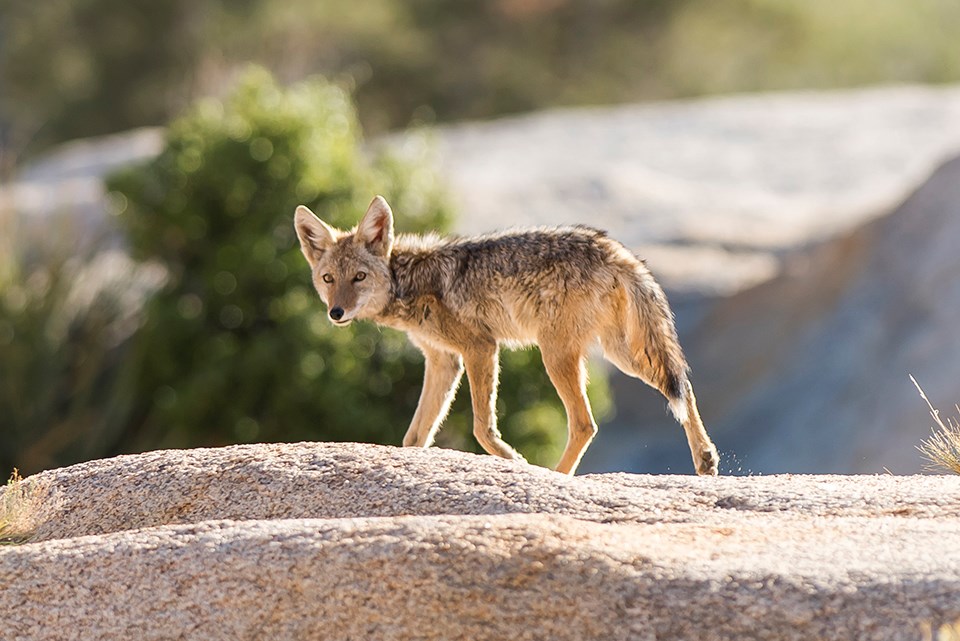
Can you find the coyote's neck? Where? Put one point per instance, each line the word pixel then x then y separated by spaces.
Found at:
pixel 413 287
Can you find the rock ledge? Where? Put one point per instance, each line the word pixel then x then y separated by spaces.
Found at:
pixel 349 541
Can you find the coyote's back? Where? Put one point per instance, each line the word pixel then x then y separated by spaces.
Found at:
pixel 459 299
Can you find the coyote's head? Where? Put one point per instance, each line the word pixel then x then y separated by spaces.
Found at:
pixel 350 268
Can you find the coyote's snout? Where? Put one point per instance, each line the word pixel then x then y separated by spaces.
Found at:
pixel 458 300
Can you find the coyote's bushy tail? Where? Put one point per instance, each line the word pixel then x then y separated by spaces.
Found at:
pixel 641 339
pixel 652 336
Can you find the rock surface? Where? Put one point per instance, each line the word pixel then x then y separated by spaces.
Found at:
pixel 347 541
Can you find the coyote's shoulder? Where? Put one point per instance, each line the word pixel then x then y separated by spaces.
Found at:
pixel 459 299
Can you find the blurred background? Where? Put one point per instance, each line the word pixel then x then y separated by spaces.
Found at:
pixel 786 168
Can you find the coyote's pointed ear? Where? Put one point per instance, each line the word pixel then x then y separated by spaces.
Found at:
pixel 376 228
pixel 315 235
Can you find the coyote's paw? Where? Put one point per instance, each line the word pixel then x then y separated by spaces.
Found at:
pixel 709 462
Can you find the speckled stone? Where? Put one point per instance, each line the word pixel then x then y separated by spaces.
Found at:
pixel 349 541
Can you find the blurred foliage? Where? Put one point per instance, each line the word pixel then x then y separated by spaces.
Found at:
pixel 64 322
pixel 236 347
pixel 82 67
pixel 73 68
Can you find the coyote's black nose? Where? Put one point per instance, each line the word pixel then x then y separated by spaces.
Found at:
pixel 336 313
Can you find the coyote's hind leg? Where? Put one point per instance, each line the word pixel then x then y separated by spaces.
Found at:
pixel 704 452
pixel 643 363
pixel 565 367
pixel 483 369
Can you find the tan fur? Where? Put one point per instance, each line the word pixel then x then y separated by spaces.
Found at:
pixel 458 300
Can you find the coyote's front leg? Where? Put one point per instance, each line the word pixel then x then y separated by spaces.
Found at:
pixel 441 377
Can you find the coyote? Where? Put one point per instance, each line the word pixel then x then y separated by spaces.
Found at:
pixel 459 299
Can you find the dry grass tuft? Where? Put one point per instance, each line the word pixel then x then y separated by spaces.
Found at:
pixel 946 632
pixel 942 449
pixel 18 502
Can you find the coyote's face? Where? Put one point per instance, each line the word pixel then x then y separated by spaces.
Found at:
pixel 350 269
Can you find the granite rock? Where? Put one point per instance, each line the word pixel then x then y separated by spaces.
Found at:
pixel 348 541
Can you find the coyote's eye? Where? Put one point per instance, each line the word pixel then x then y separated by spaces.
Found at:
pixel 360 276
pixel 327 278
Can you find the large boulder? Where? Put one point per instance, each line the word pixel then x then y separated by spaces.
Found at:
pixel 710 191
pixel 809 372
pixel 826 387
pixel 347 541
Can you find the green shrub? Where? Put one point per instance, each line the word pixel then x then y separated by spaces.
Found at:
pixel 236 346
pixel 64 326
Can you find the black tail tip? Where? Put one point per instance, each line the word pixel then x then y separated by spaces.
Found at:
pixel 676 387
